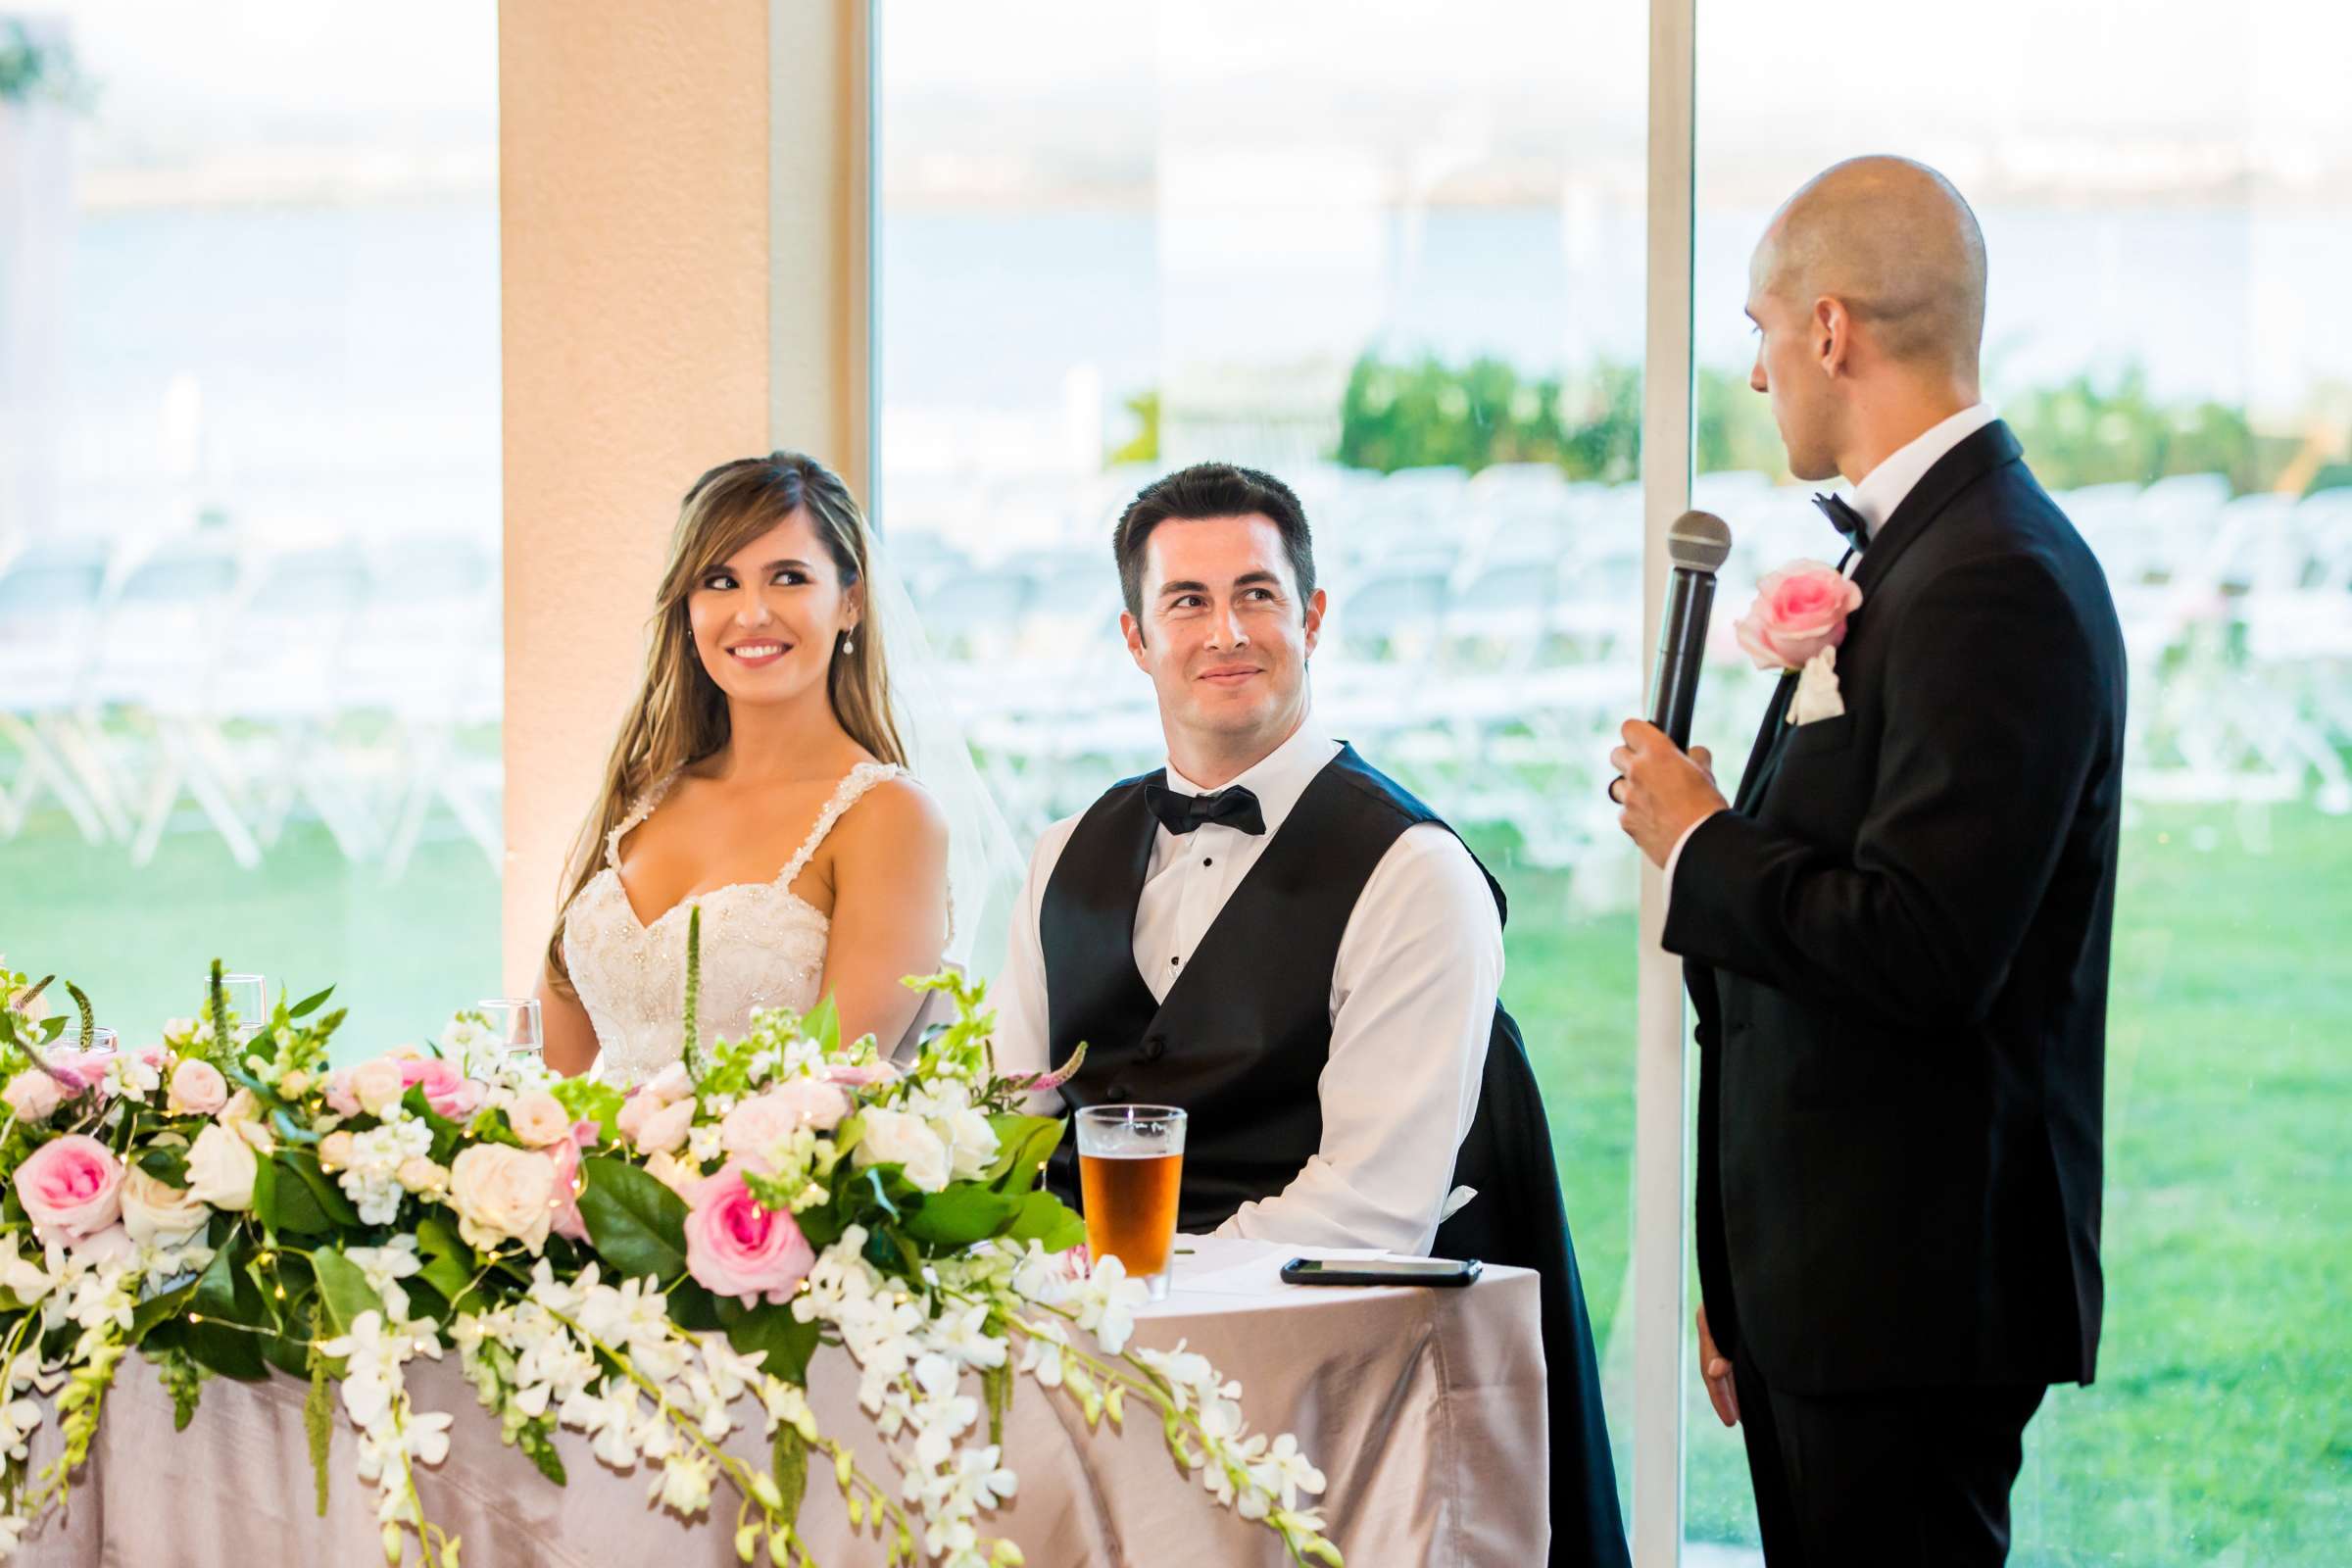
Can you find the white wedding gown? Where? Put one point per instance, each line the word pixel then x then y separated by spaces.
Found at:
pixel 764 946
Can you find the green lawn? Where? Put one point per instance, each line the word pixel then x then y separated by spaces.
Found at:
pixel 2217 1431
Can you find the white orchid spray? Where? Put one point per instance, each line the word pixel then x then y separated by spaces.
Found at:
pixel 652 1270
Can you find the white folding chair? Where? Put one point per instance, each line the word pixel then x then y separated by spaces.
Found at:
pixel 51 599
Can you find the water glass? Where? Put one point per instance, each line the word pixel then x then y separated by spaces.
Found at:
pixel 247 998
pixel 1130 1172
pixel 515 1024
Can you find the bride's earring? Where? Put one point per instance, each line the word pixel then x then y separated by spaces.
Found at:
pixel 849 643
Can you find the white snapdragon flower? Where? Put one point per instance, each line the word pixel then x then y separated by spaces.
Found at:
pixel 371 1181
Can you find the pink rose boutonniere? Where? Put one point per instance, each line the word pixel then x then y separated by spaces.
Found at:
pixel 1796 624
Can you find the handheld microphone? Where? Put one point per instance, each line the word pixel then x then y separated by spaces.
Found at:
pixel 1697 544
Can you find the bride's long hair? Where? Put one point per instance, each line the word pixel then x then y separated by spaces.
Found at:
pixel 680 715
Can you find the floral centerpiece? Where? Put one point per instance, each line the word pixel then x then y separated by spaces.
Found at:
pixel 651 1269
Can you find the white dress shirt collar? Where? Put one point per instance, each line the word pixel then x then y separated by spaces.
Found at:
pixel 1279 778
pixel 1883 488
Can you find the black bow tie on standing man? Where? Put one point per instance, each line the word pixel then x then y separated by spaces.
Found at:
pixel 1848 521
pixel 1236 808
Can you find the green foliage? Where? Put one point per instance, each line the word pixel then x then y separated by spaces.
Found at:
pixel 1428 413
pixel 790 1466
pixel 30 70
pixel 448 1263
pixel 771 1327
pixel 637 1225
pixel 181 1378
pixel 592 1100
pixel 1144 445
pixel 319 1423
pixel 344 1292
pixel 2082 431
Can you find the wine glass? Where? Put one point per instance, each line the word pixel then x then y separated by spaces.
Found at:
pixel 515 1024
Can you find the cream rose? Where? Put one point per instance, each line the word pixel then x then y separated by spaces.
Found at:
pixel 377 1085
pixel 335 1150
pixel 681 1176
pixel 503 1194
pixel 221 1168
pixel 156 1213
pixel 197 1089
pixel 539 1119
pixel 33 1096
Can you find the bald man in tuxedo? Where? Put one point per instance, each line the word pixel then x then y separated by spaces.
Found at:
pixel 1895 937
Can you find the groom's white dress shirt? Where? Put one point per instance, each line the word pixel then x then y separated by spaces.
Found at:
pixel 1412 1006
pixel 1874 499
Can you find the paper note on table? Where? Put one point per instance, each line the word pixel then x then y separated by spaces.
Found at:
pixel 1232 1265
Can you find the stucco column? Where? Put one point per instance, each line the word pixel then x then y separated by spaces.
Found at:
pixel 646 240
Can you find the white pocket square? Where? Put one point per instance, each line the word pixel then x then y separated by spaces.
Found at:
pixel 1817 690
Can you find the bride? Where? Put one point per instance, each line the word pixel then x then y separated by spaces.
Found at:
pixel 760 774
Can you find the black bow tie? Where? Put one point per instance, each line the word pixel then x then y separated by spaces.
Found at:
pixel 1236 808
pixel 1849 521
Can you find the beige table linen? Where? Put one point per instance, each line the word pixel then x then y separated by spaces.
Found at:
pixel 1424 1409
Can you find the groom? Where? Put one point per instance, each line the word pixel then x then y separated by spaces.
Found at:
pixel 1274 936
pixel 1897 938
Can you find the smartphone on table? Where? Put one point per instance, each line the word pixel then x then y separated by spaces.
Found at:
pixel 1440 1271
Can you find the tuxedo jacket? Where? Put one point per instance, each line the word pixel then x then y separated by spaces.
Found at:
pixel 1897 945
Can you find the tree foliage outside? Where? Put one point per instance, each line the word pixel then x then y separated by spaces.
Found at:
pixel 2088 430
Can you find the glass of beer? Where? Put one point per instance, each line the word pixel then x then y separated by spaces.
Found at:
pixel 1130 1166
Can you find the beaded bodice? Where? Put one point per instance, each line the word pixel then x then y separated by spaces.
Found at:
pixel 764 946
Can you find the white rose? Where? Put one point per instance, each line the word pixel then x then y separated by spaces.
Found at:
pixel 158 1213
pixel 903 1139
pixel 221 1168
pixel 971 1142
pixel 503 1194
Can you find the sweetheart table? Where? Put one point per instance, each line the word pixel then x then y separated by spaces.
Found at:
pixel 1424 1409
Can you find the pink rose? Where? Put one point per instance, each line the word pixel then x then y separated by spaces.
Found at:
pixel 760 1123
pixel 539 1119
pixel 71 1188
pixel 672 1082
pixel 33 1096
pixel 665 1129
pixel 864 1074
pixel 112 1244
pixel 340 1099
pixel 446 1088
pixel 197 1089
pixel 736 1248
pixel 1799 610
pixel 565 1210
pixel 80 1069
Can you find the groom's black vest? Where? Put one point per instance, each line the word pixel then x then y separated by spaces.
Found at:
pixel 1241 1044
